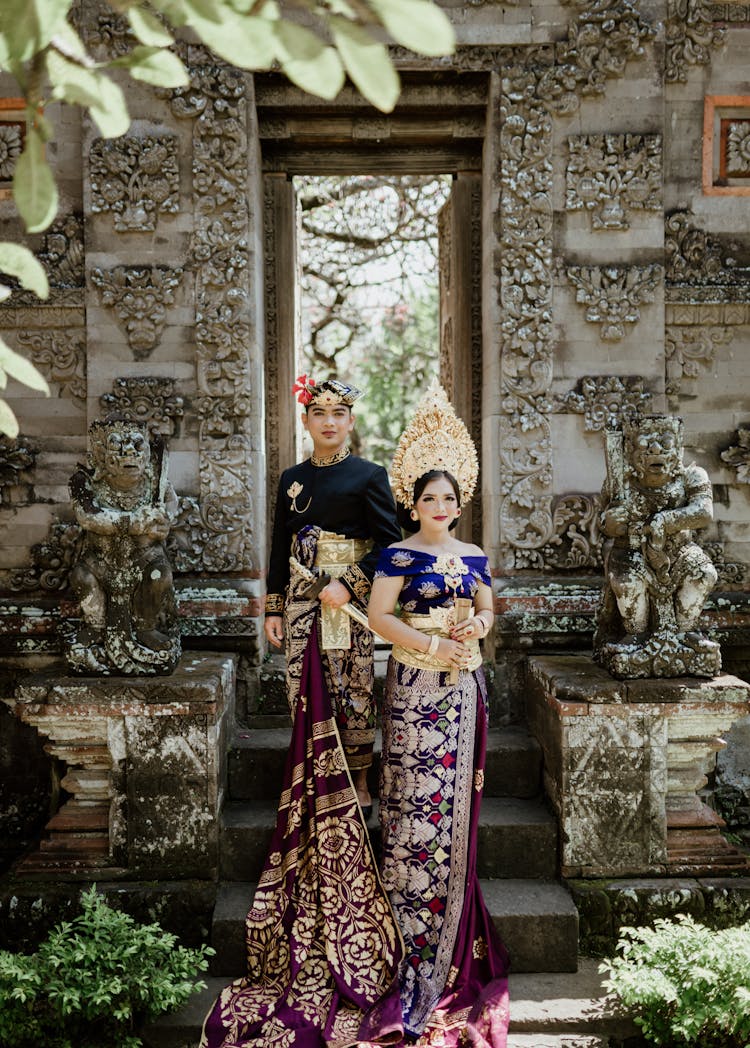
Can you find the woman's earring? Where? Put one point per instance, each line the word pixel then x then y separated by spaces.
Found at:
pixel 414 515
pixel 458 511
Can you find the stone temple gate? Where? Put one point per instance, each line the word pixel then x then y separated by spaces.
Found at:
pixel 596 261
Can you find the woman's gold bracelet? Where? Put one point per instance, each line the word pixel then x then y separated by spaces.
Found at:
pixel 434 644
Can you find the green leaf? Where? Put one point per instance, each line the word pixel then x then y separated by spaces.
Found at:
pixel 155 66
pixel 34 189
pixel 367 63
pixel 148 28
pixel 20 262
pixel 244 40
pixel 417 24
pixel 21 369
pixel 111 112
pixel 307 61
pixel 27 26
pixel 8 421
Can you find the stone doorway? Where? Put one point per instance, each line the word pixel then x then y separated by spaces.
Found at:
pixel 438 128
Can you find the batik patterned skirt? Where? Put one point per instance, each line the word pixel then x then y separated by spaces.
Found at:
pixel 454 974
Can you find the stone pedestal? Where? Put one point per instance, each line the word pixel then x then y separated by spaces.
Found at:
pixel 623 763
pixel 144 766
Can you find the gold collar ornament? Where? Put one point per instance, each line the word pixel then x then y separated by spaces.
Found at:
pixel 436 438
pixel 330 460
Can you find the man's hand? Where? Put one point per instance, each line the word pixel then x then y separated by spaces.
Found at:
pixel 334 595
pixel 274 630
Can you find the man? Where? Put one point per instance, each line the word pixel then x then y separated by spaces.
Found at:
pixel 334 512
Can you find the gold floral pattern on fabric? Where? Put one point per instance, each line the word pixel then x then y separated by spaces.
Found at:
pixel 479 948
pixel 479 779
pixel 349 674
pixel 320 919
pixel 330 460
pixel 274 603
pixel 357 582
pixel 425 806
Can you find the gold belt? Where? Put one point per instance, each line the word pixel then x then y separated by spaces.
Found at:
pixel 436 623
pixel 334 554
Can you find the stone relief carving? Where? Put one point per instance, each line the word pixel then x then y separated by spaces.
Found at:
pixel 150 400
pixel 690 35
pixel 613 294
pixel 51 561
pixel 11 146
pixel 605 400
pixel 525 288
pixel 657 577
pixel 124 505
pixel 576 542
pixel 605 36
pixel 61 358
pixel 738 147
pixel 738 13
pixel 689 350
pixel 609 175
pixel 692 256
pixel 136 179
pixel 730 572
pixel 17 459
pixel 139 296
pixel 215 532
pixel 737 456
pixel 63 252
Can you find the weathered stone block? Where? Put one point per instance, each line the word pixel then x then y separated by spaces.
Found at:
pixel 146 769
pixel 623 764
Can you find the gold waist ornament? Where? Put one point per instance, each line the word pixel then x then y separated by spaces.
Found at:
pixel 334 554
pixel 439 622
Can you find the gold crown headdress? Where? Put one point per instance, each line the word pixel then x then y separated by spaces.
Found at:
pixel 436 438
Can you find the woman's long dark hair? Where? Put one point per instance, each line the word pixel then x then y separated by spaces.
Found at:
pixel 402 513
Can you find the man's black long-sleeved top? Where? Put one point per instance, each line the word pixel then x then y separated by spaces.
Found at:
pixel 352 498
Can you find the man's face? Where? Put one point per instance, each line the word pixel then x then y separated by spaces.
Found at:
pixel 328 425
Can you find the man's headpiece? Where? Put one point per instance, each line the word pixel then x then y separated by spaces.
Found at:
pixel 326 393
pixel 436 438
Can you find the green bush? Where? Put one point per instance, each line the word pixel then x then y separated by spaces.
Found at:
pixel 94 981
pixel 685 984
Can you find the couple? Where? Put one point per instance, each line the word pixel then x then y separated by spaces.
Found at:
pixel 341 951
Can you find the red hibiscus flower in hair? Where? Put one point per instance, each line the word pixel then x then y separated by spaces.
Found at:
pixel 303 388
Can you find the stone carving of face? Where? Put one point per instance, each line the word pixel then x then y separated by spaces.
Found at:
pixel 656 453
pixel 125 456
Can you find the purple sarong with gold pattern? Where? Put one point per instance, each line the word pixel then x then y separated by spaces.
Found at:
pixel 323 948
pixel 453 980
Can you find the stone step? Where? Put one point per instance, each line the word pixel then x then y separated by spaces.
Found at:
pixel 537 921
pixel 256 762
pixel 517 838
pixel 547 1010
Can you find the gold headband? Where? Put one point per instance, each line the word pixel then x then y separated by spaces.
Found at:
pixel 436 438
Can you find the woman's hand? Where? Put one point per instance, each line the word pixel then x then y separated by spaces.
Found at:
pixel 470 629
pixel 454 652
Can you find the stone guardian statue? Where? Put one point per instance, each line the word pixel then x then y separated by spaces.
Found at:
pixel 657 577
pixel 123 580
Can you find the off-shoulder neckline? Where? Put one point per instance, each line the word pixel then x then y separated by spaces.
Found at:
pixel 434 556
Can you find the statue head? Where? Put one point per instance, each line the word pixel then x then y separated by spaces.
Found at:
pixel 120 451
pixel 653 449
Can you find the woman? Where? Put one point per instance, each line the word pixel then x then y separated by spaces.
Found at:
pixel 453 984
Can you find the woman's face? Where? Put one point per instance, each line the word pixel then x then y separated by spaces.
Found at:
pixel 438 503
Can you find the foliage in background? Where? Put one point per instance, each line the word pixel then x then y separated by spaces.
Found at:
pixel 41 49
pixel 685 984
pixel 369 293
pixel 94 981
